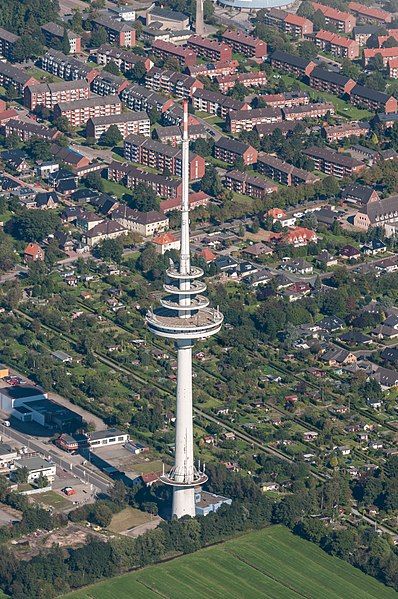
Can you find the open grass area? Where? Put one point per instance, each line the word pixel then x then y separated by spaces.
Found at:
pixel 114 188
pixel 128 518
pixel 271 563
pixel 53 499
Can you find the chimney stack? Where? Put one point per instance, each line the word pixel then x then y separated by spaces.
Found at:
pixel 199 22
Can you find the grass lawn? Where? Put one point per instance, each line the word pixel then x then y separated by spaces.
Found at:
pixel 114 188
pixel 53 499
pixel 145 467
pixel 271 563
pixel 128 518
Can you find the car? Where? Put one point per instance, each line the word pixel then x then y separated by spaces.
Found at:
pixel 68 491
pixel 298 214
pixel 6 423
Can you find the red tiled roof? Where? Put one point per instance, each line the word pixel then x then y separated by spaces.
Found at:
pixel 32 249
pixel 165 238
pixel 276 213
pixel 376 13
pixel 207 255
pixel 331 13
pixel 296 20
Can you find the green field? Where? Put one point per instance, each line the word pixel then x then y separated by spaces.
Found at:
pixel 128 518
pixel 271 563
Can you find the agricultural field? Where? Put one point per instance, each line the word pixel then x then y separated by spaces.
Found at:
pixel 271 563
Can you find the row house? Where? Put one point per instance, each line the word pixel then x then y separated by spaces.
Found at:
pixel 286 100
pixel 331 82
pixel 154 154
pixel 128 123
pixel 146 224
pixel 7 43
pixel 11 76
pixel 138 97
pixel 171 82
pixel 54 33
pixel 107 229
pixel 130 176
pixel 342 21
pixel 246 120
pixel 371 15
pixel 67 67
pixel 209 49
pixel 50 94
pixel 240 42
pixel 289 63
pixel 338 45
pixel 350 129
pixel 372 99
pixel 378 214
pixel 253 79
pixel 118 32
pixel 333 163
pixel 289 23
pixel 230 150
pixel 164 50
pixel 250 185
pixel 310 111
pixel 195 200
pixel 214 69
pixel 173 135
pixel 300 237
pixel 216 103
pixel 26 129
pixel 125 60
pixel 78 113
pixel 283 172
pixel 386 54
pixel 107 84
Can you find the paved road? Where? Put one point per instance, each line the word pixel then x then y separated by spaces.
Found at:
pixel 69 464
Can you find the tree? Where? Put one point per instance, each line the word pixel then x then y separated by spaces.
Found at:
pixel 238 92
pixel 211 182
pixel 21 475
pixel 12 141
pixel 7 255
pixel 390 42
pixel 110 250
pixel 112 136
pixel 308 50
pixel 33 225
pixel 111 67
pixel 11 92
pixel 94 181
pixel 318 20
pixel 98 37
pixel 39 149
pixel 26 47
pixel 144 198
pixel 65 44
pixel 138 72
pixel 62 124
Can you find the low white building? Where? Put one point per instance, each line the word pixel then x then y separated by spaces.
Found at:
pixel 7 456
pixel 166 242
pixel 36 467
pixel 111 436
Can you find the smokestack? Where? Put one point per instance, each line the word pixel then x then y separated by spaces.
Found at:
pixel 199 21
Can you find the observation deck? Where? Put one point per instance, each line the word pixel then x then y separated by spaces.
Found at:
pixel 165 323
pixel 172 479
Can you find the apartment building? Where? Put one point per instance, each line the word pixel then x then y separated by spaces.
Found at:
pixel 214 69
pixel 362 33
pixel 154 154
pixel 342 21
pixel 128 123
pixel 172 135
pixel 338 45
pixel 174 115
pixel 285 127
pixel 79 112
pixel 393 68
pixel 124 59
pixel 209 49
pixel 283 172
pixel 67 67
pixel 169 19
pixel 50 94
pixel 144 223
pixel 11 76
pixel 378 213
pixel 350 129
pixel 107 84
pixel 314 110
pixel 253 79
pixel 289 23
pixel 230 150
pixel 118 32
pixel 333 163
pixel 369 14
pixel 172 82
pixel 26 129
pixel 289 63
pixel 240 42
pixel 330 81
pixel 130 176
pixel 246 120
pixel 286 100
pixel 216 103
pixel 365 97
pixel 7 43
pixel 55 33
pixel 250 185
pixel 138 97
pixel 164 50
pixel 387 54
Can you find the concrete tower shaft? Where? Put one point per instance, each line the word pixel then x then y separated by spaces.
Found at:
pixel 184 315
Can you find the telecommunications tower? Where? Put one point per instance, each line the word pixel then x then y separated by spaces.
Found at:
pixel 184 315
